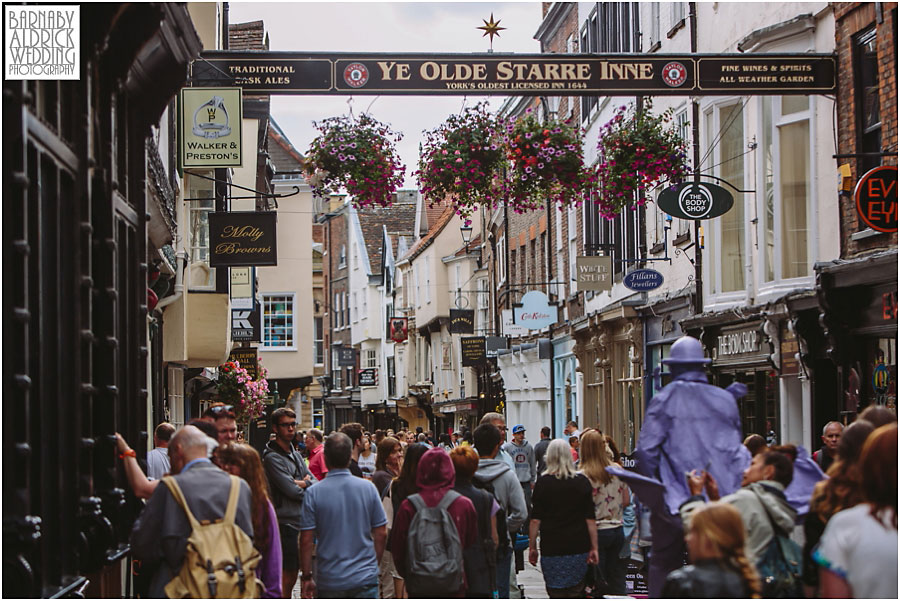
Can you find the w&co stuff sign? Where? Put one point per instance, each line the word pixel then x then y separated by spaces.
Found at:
pixel 241 239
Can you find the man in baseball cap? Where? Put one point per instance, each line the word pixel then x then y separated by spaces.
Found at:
pixel 522 454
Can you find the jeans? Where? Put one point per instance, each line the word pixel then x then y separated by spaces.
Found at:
pixel 503 564
pixel 366 591
pixel 609 544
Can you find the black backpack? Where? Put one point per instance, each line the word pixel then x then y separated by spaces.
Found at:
pixel 503 541
pixel 480 559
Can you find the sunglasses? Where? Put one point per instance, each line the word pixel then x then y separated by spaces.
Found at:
pixel 287 425
pixel 223 410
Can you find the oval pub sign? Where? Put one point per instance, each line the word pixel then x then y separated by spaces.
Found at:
pixel 642 280
pixel 691 200
pixel 876 198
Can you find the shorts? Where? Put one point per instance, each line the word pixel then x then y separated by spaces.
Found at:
pixel 290 547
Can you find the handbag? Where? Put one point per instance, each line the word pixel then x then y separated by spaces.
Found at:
pixel 780 566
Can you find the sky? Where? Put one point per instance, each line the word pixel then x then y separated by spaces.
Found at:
pixel 386 27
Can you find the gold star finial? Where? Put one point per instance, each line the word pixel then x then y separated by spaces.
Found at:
pixel 491 28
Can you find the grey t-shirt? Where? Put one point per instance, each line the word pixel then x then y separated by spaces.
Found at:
pixel 158 463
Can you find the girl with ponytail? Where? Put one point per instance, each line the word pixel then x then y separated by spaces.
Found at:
pixel 715 541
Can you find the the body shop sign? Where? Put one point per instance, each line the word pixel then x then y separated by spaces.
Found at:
pixel 242 238
pixel 210 127
pixel 536 311
pixel 691 200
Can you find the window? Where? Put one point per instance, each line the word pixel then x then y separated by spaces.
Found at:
pixel 203 191
pixel 350 381
pixel 678 16
pixel 573 252
pixel 336 312
pixel 346 309
pixel 427 269
pixel 336 370
pixel 501 258
pixel 868 105
pixel 483 323
pixel 724 127
pixel 786 176
pixel 353 309
pixel 589 33
pixel 319 340
pixel 391 378
pixel 655 40
pixel 370 359
pixel 342 261
pixel 416 284
pixel 619 238
pixel 278 321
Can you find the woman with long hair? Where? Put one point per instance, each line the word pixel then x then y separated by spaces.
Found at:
pixel 563 512
pixel 367 458
pixel 388 460
pixel 242 460
pixel 720 569
pixel 841 490
pixel 403 486
pixel 857 555
pixel 610 496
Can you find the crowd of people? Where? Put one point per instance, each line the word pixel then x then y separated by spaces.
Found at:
pixel 409 515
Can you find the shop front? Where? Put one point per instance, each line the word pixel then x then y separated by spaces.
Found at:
pixel 525 369
pixel 860 321
pixel 567 405
pixel 609 348
pixel 662 327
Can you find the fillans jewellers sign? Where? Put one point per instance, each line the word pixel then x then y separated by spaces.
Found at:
pixel 241 239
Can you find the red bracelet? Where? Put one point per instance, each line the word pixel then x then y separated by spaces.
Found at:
pixel 128 453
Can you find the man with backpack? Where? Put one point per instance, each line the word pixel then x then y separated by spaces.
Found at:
pixel 495 476
pixel 431 531
pixel 199 517
pixel 289 478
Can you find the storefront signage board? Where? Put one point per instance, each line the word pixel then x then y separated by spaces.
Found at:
pixel 368 377
pixel 210 127
pixel 243 238
pixel 790 348
pixel 246 356
pixel 691 200
pixel 472 350
pixel 517 74
pixel 399 329
pixel 510 328
pixel 242 287
pixel 493 344
pixel 245 325
pixel 536 311
pixel 462 321
pixel 738 342
pixel 346 357
pixel 876 198
pixel 642 280
pixel 594 273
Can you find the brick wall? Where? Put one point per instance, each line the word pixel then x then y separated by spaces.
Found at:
pixel 852 18
pixel 247 36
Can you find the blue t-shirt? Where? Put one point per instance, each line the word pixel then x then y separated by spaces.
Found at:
pixel 343 510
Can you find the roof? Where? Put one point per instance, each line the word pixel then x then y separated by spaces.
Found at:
pixel 472 246
pixel 284 155
pixel 433 231
pixel 397 220
pixel 247 36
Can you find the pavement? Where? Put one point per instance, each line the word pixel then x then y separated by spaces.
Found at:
pixel 532 580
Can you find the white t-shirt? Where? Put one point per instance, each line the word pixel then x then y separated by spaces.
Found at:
pixel 862 551
pixel 367 464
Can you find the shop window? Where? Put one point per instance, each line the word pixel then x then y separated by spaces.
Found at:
pixel 759 408
pixel 278 322
pixel 879 382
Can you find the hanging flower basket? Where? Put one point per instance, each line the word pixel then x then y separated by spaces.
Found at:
pixel 460 160
pixel 546 162
pixel 637 151
pixel 236 387
pixel 358 155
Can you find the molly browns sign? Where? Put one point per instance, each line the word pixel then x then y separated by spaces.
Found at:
pixel 517 74
pixel 242 238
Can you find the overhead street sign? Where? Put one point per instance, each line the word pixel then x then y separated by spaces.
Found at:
pixel 517 74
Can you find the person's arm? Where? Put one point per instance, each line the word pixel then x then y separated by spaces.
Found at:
pixel 379 537
pixel 518 511
pixel 593 554
pixel 137 480
pixel 654 431
pixel 270 565
pixel 399 533
pixel 145 539
pixel 280 477
pixel 494 536
pixel 307 584
pixel 832 586
pixel 533 529
pixel 532 463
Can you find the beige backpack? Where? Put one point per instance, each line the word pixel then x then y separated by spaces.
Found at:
pixel 220 560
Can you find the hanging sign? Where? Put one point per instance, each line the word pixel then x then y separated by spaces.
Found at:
pixel 245 325
pixel 242 238
pixel 536 311
pixel 876 198
pixel 399 329
pixel 368 377
pixel 242 285
pixel 517 74
pixel 210 127
pixel 462 321
pixel 642 280
pixel 510 328
pixel 472 350
pixel 246 357
pixel 346 357
pixel 691 200
pixel 594 273
pixel 492 344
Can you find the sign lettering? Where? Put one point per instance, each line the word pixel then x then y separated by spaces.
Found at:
pixel 594 273
pixel 641 280
pixel 210 127
pixel 246 357
pixel 691 200
pixel 524 74
pixel 738 343
pixel 876 198
pixel 242 239
pixel 462 321
pixel 472 350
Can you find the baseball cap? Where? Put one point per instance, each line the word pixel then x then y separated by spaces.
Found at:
pixel 518 428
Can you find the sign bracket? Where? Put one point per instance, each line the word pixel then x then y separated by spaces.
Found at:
pixel 233 185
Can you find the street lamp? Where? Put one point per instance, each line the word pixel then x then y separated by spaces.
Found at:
pixel 466 231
